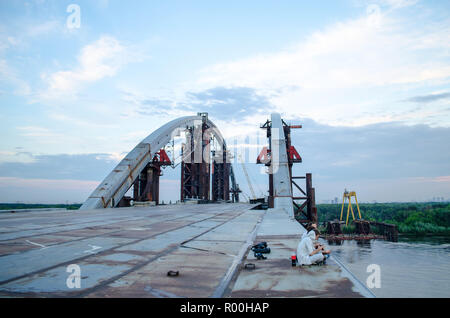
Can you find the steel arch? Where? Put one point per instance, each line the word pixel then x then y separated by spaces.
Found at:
pixel 116 184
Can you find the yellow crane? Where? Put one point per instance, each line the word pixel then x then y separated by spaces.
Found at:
pixel 349 195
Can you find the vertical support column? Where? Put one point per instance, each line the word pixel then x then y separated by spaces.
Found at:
pixel 226 177
pixel 153 184
pixel 313 216
pixel 214 180
pixel 187 173
pixel 220 176
pixel 146 187
pixel 309 196
pixel 136 189
pixel 182 183
pixel 142 183
pixel 270 199
pixel 148 192
pixel 311 209
pixel 195 170
pixel 204 165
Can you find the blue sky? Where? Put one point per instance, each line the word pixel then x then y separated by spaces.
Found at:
pixel 369 81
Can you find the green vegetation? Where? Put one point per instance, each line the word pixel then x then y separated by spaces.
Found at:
pixel 411 218
pixel 346 229
pixel 19 206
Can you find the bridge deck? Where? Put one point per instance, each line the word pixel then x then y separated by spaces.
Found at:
pixel 275 276
pixel 127 252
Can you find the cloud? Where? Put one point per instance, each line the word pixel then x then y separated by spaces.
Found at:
pixel 348 73
pixel 100 59
pixel 379 156
pixel 64 166
pixel 383 162
pixel 227 103
pixel 10 75
pixel 35 30
pixel 385 150
pixel 222 103
pixel 347 54
pixel 7 41
pixel 383 190
pixel 19 37
pixel 35 131
pixel 429 98
pixel 440 179
pixel 395 4
pixel 45 190
pixel 47 184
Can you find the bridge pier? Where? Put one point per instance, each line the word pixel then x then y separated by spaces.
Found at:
pixel 146 185
pixel 288 155
pixel 149 184
pixel 195 170
pixel 220 177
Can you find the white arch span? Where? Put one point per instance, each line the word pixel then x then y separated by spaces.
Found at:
pixel 116 184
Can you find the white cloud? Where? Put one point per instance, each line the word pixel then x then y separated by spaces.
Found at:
pixel 48 183
pixel 114 157
pixel 431 179
pixel 21 37
pixel 398 3
pixel 46 27
pixel 45 190
pixel 35 131
pixel 389 4
pixel 98 60
pixel 339 70
pixel 80 122
pixel 45 136
pixel 9 75
pixel 15 156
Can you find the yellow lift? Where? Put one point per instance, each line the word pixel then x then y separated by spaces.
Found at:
pixel 349 195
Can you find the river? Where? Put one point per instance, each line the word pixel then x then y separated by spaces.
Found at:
pixel 408 268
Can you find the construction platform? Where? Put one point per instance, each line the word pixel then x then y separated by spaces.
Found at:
pixel 128 252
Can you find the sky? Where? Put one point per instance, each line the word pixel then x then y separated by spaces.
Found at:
pixel 83 82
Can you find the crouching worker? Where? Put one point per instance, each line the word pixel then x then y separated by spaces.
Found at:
pixel 309 253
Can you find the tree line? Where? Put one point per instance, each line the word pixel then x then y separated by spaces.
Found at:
pixel 19 206
pixel 412 218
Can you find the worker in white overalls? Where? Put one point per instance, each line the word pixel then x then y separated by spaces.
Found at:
pixel 309 253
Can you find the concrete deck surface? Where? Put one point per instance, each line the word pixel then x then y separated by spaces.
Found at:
pixel 275 276
pixel 127 252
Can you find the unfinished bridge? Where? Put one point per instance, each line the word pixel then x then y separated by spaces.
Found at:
pixel 120 245
pixel 141 168
pixel 206 172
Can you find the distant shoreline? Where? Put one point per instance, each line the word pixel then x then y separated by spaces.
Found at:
pixel 25 206
pixel 413 219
